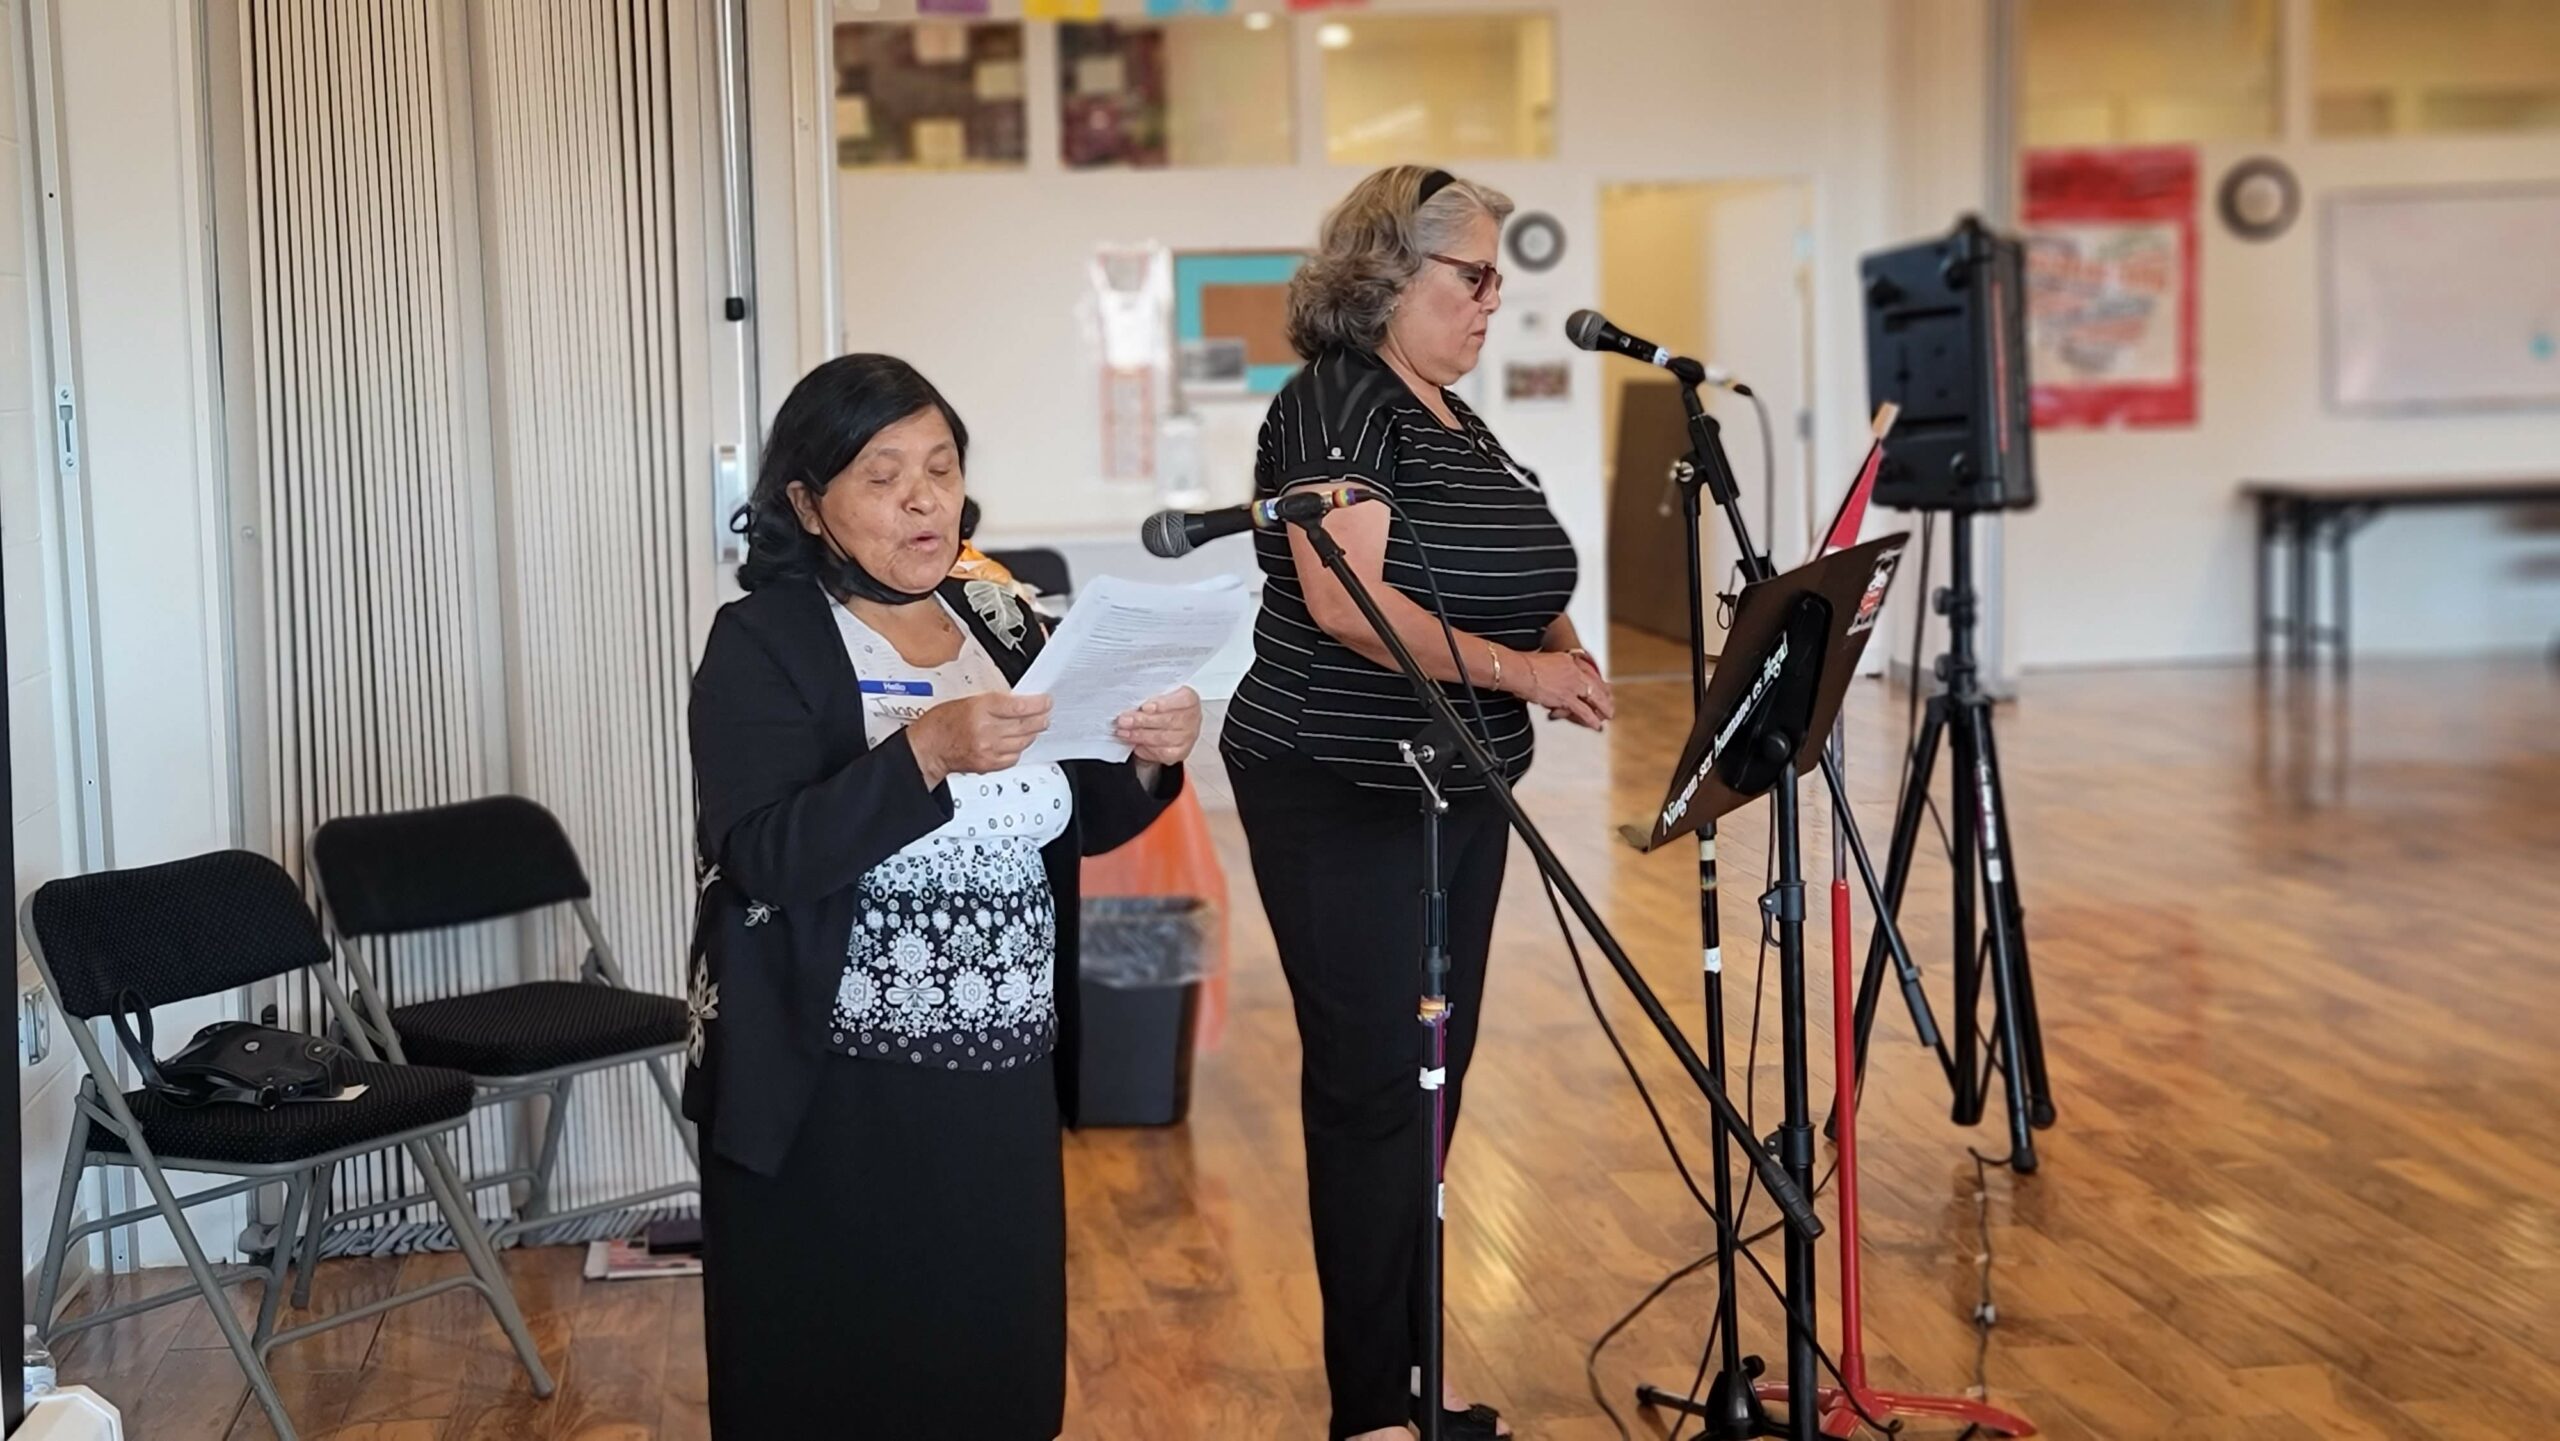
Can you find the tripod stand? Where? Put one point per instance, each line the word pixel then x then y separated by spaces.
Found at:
pixel 1979 840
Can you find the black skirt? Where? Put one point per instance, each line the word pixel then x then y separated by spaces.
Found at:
pixel 904 1274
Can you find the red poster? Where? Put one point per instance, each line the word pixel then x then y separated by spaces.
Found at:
pixel 2111 286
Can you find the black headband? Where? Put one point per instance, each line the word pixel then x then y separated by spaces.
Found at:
pixel 1433 184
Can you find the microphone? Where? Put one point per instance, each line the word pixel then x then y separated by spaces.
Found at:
pixel 1171 533
pixel 1590 330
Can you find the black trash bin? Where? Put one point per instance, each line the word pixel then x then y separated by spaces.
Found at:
pixel 1142 963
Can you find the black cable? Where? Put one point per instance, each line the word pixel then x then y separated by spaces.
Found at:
pixel 1769 467
pixel 1591 1358
pixel 1986 1314
pixel 1698 1381
pixel 1440 612
pixel 1679 1163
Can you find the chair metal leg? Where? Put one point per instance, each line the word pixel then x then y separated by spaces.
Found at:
pixel 675 1109
pixel 297 1194
pixel 432 1162
pixel 324 1184
pixel 57 1248
pixel 555 1119
pixel 210 1287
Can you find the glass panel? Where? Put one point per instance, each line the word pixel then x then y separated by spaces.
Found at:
pixel 2433 67
pixel 931 94
pixel 2125 72
pixel 1438 87
pixel 1183 92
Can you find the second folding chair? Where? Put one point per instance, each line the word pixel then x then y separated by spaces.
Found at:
pixel 430 870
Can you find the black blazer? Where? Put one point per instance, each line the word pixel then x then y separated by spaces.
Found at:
pixel 794 808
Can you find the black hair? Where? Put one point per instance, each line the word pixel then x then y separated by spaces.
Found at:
pixel 828 418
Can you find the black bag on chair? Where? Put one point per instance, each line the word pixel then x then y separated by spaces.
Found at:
pixel 234 1062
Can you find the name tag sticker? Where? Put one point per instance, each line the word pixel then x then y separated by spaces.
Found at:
pixel 897 687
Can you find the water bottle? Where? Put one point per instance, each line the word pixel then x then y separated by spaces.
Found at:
pixel 39 1372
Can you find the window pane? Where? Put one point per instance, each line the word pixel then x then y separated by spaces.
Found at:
pixel 2125 72
pixel 1438 87
pixel 933 94
pixel 2424 67
pixel 1184 92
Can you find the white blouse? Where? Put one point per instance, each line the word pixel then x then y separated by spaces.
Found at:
pixel 953 957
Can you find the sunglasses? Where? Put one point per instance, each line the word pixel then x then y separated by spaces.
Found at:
pixel 1483 279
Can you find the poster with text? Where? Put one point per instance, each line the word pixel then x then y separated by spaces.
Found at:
pixel 2111 286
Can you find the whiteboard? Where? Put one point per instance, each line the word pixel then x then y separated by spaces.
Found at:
pixel 2444 298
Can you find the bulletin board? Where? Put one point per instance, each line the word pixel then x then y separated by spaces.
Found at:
pixel 1231 321
pixel 2443 298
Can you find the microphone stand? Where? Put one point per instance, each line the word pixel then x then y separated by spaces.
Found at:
pixel 1431 759
pixel 1732 1409
pixel 1783 1187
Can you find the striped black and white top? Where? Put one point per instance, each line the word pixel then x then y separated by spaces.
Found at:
pixel 1506 570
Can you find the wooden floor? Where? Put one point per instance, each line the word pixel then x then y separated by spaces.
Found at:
pixel 2297 965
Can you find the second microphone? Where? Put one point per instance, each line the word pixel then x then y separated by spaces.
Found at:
pixel 1170 533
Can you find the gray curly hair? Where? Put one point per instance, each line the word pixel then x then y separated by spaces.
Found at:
pixel 1373 243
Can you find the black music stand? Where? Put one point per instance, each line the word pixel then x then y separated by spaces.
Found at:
pixel 1769 712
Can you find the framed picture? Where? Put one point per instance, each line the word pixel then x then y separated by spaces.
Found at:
pixel 2111 286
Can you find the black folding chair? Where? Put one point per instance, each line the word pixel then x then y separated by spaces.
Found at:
pixel 1039 567
pixel 168 933
pixel 429 870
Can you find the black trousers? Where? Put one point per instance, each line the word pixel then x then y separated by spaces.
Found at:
pixel 1340 872
pixel 905 1274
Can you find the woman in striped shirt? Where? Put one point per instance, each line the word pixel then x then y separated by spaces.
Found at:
pixel 1390 310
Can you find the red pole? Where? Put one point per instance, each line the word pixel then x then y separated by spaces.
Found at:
pixel 1853 1347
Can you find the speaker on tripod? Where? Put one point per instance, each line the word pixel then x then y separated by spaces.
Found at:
pixel 1946 341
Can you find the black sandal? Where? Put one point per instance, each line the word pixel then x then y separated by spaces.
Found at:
pixel 1478 1422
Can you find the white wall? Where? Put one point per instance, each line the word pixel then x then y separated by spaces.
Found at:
pixel 137 226
pixel 976 277
pixel 2141 549
pixel 1756 327
pixel 44 827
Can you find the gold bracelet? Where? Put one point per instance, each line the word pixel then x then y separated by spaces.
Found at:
pixel 1495 656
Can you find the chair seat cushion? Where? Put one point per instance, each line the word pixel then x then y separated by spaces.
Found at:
pixel 396 1099
pixel 537 1026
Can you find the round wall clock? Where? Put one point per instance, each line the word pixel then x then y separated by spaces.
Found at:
pixel 2259 198
pixel 1536 241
